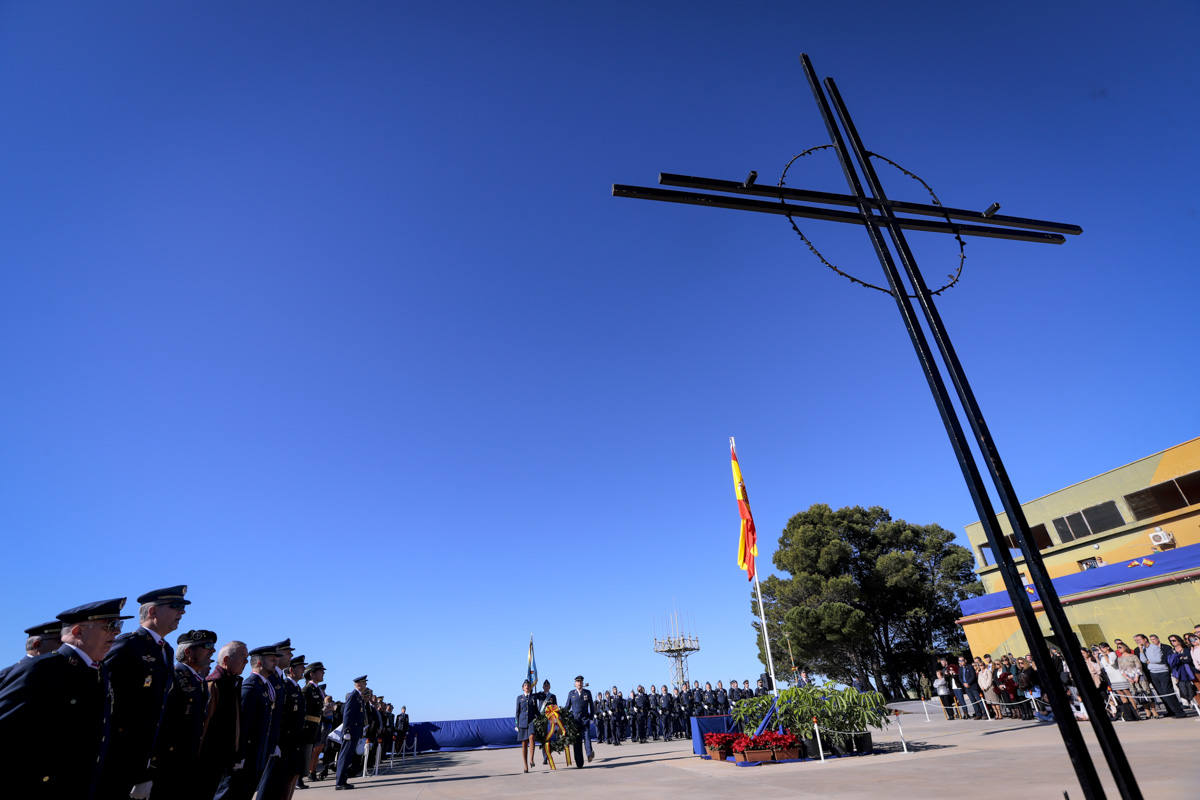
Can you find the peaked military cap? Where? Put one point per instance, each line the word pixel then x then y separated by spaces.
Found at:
pixel 313 667
pixel 45 628
pixel 101 609
pixel 298 661
pixel 197 637
pixel 171 594
pixel 265 650
pixel 578 677
pixel 286 644
pixel 360 679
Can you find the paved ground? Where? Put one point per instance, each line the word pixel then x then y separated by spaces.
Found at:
pixel 1005 758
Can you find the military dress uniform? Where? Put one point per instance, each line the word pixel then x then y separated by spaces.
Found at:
pixel 579 706
pixel 283 770
pixel 314 708
pixel 666 715
pixel 46 629
pixel 722 701
pixel 601 706
pixel 683 708
pixel 176 760
pixel 616 719
pixel 141 668
pixel 402 729
pixel 284 649
pixel 258 701
pixel 55 712
pixel 641 706
pixel 354 719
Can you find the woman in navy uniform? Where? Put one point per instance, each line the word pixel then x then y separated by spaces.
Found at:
pixel 314 716
pixel 54 709
pixel 527 712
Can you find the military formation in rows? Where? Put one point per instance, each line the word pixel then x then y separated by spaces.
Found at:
pixel 663 715
pixel 89 713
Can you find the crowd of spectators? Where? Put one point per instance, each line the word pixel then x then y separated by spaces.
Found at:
pixel 1152 678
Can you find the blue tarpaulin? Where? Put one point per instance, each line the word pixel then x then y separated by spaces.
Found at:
pixel 468 734
pixel 703 725
pixel 1164 563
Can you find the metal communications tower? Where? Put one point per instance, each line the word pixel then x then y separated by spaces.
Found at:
pixel 677 647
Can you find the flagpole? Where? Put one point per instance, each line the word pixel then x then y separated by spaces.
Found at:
pixel 766 638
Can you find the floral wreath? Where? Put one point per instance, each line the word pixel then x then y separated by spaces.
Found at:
pixel 563 729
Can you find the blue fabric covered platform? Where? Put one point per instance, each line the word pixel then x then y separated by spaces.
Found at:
pixel 703 725
pixel 468 734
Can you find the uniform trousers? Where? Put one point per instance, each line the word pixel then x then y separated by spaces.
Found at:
pixel 238 785
pixel 346 758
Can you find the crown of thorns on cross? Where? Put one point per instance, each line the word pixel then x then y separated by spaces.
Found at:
pixel 951 279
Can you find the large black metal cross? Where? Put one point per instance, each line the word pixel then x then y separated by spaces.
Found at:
pixel 877 213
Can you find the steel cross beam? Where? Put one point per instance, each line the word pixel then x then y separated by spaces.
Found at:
pixel 876 213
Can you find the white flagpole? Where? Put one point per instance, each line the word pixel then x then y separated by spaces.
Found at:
pixel 762 615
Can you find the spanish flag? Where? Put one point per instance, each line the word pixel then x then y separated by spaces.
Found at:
pixel 748 540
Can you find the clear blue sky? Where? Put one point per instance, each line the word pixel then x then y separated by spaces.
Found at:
pixel 326 309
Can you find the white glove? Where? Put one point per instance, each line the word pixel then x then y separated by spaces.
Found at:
pixel 276 753
pixel 141 791
pixel 239 765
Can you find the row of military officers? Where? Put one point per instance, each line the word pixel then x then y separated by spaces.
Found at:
pixel 644 715
pixel 92 714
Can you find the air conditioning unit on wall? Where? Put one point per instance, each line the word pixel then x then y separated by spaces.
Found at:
pixel 1162 539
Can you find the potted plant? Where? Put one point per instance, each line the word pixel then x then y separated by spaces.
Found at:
pixel 785 746
pixel 857 713
pixel 829 710
pixel 863 711
pixel 748 713
pixel 752 748
pixel 718 745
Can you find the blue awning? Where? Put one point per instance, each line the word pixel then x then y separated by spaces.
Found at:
pixel 1164 563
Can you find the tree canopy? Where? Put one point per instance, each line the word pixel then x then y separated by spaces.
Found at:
pixel 868 596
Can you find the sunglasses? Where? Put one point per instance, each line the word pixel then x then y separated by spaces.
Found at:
pixel 113 625
pixel 176 604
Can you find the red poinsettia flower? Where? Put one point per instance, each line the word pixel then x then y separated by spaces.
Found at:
pixel 720 741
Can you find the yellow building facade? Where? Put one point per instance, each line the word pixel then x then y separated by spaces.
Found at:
pixel 1123 550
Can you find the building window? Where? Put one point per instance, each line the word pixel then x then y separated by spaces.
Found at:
pixel 1078 526
pixel 1088 563
pixel 1040 537
pixel 1103 517
pixel 982 550
pixel 1155 500
pixel 1190 486
pixel 1064 532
